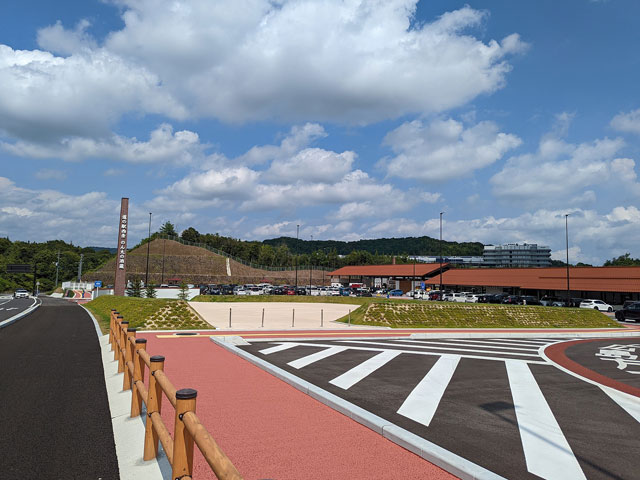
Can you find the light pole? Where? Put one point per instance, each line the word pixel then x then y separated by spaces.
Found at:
pixel 441 255
pixel 164 246
pixel 566 230
pixel 310 269
pixel 146 278
pixel 296 256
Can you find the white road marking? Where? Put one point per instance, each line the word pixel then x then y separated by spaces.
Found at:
pixel 627 402
pixel 366 368
pixel 314 357
pixel 498 343
pixel 447 348
pixel 278 348
pixel 524 342
pixel 12 308
pixel 428 342
pixel 422 403
pixel 546 450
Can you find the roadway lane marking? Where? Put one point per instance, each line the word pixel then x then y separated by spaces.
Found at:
pixel 422 403
pixel 412 352
pixel 497 343
pixel 524 342
pixel 447 342
pixel 314 357
pixel 278 348
pixel 546 450
pixel 628 403
pixel 458 349
pixel 366 368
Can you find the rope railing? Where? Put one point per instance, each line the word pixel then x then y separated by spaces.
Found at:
pixel 133 360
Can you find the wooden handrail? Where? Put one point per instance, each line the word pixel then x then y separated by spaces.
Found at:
pixel 132 357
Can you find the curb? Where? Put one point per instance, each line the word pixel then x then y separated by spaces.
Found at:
pixel 431 452
pixel 525 334
pixel 15 318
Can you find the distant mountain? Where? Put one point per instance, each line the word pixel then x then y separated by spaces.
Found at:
pixel 104 249
pixel 383 246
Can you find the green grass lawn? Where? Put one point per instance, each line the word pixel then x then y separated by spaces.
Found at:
pixel 420 314
pixel 147 313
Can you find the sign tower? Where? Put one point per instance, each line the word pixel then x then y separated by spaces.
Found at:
pixel 121 259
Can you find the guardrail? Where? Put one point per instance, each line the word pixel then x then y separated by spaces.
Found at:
pixel 133 359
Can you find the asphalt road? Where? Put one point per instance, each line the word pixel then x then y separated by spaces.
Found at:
pixel 10 306
pixel 53 405
pixel 495 402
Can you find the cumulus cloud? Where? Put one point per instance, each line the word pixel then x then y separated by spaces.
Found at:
pixel 356 62
pixel 560 172
pixel 164 146
pixel 445 149
pixel 57 39
pixel 45 98
pixel 627 122
pixel 313 165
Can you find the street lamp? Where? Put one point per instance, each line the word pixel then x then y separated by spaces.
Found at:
pixel 441 255
pixel 566 230
pixel 146 278
pixel 310 269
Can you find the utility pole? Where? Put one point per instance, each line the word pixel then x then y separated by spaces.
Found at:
pixel 164 247
pixel 146 278
pixel 310 270
pixel 57 268
pixel 566 230
pixel 80 268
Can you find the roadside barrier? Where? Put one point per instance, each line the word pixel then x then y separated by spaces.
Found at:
pixel 133 359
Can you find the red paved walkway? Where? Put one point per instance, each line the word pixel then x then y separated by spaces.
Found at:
pixel 271 430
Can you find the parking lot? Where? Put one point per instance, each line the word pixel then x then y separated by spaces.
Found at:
pixel 498 403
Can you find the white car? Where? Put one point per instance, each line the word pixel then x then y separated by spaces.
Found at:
pixel 597 305
pixel 472 298
pixel 21 293
pixel 459 297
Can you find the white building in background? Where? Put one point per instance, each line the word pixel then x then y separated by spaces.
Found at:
pixel 517 255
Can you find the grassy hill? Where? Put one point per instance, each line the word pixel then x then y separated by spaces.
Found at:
pixel 195 265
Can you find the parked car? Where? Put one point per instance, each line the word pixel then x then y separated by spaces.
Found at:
pixel 629 302
pixel 458 297
pixel 472 298
pixel 597 305
pixel 529 300
pixel 511 299
pixel 396 293
pixel 629 311
pixel 21 293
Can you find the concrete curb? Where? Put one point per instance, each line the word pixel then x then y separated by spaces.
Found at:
pixel 128 432
pixel 15 318
pixel 431 452
pixel 525 334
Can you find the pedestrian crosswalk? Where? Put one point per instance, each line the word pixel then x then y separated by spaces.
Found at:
pixel 413 379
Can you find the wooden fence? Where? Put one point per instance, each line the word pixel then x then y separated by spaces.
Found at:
pixel 133 360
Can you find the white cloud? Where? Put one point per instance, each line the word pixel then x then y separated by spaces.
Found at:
pixel 561 172
pixel 333 60
pixel 313 165
pixel 163 146
pixel 45 98
pixel 627 122
pixel 444 149
pixel 56 39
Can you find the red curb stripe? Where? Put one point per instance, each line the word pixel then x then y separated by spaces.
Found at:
pixel 556 353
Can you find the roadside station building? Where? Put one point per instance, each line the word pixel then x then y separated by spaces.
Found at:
pixel 614 285
pixel 404 277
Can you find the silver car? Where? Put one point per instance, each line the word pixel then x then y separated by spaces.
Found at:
pixel 21 293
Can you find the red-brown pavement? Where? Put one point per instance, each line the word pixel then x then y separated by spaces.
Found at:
pixel 269 429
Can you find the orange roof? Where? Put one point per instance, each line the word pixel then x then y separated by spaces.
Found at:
pixel 421 269
pixel 591 279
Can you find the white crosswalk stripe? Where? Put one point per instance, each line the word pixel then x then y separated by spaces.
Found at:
pixel 546 450
pixel 422 403
pixel 314 357
pixel 366 368
pixel 456 344
pixel 278 348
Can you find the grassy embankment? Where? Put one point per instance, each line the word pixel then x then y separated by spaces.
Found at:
pixel 147 314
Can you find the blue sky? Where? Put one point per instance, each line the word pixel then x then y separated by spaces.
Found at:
pixel 354 119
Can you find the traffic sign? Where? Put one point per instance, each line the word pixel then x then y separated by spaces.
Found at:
pixel 19 268
pixel 97 284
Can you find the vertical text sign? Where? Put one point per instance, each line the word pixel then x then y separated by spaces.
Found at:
pixel 121 259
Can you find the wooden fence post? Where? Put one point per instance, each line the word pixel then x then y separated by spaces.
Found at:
pixel 154 404
pixel 182 464
pixel 138 376
pixel 116 334
pixel 123 335
pixel 126 382
pixel 112 326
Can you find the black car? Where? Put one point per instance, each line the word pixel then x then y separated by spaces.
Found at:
pixel 485 298
pixel 529 300
pixel 497 298
pixel 512 300
pixel 630 312
pixel 226 289
pixel 301 291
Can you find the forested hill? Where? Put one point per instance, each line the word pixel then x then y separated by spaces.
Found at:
pixel 383 246
pixel 45 256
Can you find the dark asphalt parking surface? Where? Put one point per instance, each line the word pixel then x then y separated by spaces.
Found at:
pixel 54 415
pixel 476 416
